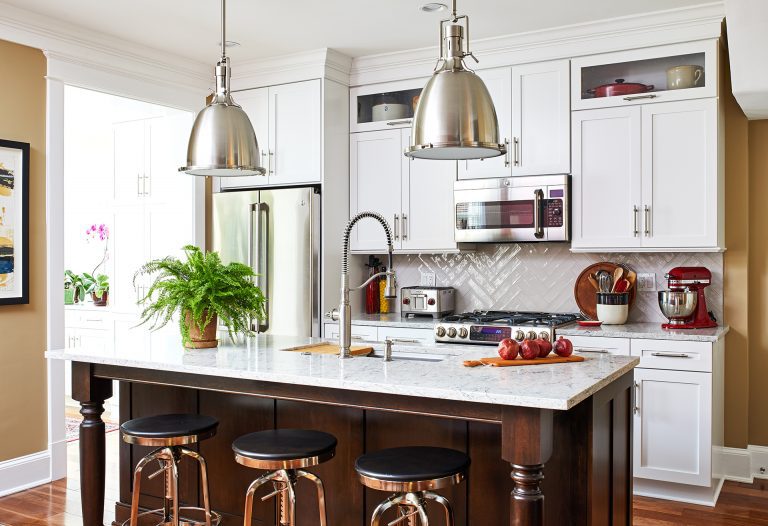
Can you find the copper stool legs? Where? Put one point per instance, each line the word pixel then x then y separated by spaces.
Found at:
pixel 284 487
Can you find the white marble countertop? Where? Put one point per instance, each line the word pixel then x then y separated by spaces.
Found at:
pixel 647 331
pixel 555 386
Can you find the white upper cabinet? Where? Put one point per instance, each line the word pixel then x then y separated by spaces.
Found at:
pixel 287 122
pixel 656 74
pixel 499 84
pixel 427 221
pixel 541 118
pixel 680 181
pixel 606 182
pixel 375 185
pixel 384 106
pixel 648 177
pixel 415 197
pixel 130 139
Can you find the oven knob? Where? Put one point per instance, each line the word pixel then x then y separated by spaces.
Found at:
pixel 531 335
pixel 440 331
pixel 452 332
pixel 406 301
pixel 431 301
pixel 463 333
pixel 544 335
pixel 519 335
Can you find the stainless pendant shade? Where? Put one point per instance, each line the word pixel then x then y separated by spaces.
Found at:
pixel 455 117
pixel 222 142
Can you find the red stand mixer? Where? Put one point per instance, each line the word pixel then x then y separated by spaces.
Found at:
pixel 684 303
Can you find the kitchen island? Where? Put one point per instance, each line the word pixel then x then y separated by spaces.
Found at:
pixel 563 431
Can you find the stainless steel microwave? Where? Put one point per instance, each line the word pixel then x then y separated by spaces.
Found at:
pixel 531 208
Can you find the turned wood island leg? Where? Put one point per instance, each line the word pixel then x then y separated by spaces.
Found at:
pixel 91 392
pixel 526 443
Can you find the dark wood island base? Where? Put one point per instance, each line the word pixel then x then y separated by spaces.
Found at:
pixel 530 466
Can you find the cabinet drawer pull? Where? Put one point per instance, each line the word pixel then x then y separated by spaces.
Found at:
pixel 596 351
pixel 638 97
pixel 404 340
pixel 671 354
pixel 401 121
pixel 637 398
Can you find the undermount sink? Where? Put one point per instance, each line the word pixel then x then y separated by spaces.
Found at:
pixel 409 356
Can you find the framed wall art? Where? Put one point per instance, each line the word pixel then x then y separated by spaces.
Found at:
pixel 14 222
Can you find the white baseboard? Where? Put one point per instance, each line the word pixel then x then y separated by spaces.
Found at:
pixel 758 456
pixel 25 472
pixel 743 465
pixel 701 495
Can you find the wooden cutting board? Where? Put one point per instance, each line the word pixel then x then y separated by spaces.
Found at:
pixel 499 362
pixel 330 348
pixel 585 293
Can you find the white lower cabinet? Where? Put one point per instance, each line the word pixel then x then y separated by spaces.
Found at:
pixel 673 426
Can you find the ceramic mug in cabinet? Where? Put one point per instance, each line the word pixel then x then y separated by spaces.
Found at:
pixel 683 77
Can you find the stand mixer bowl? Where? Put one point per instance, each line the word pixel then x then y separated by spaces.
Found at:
pixel 678 305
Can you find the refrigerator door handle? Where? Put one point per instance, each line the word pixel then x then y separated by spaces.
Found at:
pixel 262 254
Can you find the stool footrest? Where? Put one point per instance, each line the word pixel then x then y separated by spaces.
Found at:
pixel 183 521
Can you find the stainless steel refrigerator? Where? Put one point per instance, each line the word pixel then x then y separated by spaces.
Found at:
pixel 277 233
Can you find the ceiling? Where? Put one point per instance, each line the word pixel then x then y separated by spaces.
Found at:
pixel 269 28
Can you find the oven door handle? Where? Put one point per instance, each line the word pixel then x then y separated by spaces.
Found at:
pixel 538 229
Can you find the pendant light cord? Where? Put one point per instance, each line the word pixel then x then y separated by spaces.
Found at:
pixel 453 6
pixel 224 29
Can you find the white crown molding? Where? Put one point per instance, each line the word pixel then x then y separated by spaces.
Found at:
pixel 319 63
pixel 629 32
pixel 73 44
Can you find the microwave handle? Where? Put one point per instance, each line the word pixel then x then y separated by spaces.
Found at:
pixel 538 229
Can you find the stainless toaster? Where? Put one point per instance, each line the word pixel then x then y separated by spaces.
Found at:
pixel 431 301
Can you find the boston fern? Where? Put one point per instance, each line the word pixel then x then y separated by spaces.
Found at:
pixel 203 287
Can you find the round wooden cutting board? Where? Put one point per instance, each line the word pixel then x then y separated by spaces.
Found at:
pixel 584 292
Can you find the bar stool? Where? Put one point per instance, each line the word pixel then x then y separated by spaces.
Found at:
pixel 284 452
pixel 411 472
pixel 169 433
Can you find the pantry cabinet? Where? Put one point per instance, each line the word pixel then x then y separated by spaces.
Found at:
pixel 287 122
pixel 648 177
pixel 414 196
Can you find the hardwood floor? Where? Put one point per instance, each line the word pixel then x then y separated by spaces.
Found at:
pixel 58 503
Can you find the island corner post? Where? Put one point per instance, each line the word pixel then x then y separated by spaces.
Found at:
pixel 567 467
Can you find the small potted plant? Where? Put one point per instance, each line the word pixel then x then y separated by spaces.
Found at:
pixel 203 292
pixel 69 290
pixel 98 287
pixel 73 282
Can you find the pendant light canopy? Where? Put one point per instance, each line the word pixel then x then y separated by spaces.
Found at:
pixel 455 117
pixel 222 142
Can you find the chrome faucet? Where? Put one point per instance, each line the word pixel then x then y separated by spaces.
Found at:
pixel 344 313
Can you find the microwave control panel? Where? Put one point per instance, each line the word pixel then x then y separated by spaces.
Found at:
pixel 553 212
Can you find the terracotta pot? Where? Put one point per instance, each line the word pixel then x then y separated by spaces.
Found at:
pixel 100 302
pixel 205 339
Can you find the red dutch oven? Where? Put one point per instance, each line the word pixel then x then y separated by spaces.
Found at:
pixel 620 88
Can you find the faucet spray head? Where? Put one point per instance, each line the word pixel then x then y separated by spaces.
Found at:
pixel 390 290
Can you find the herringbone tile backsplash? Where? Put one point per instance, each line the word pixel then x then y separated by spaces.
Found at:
pixel 540 276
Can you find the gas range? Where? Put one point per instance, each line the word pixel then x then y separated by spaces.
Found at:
pixel 490 327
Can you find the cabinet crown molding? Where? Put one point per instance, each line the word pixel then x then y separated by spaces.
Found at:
pixel 617 34
pixel 319 63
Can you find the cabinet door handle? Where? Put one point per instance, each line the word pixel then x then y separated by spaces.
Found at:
pixel 506 154
pixel 404 340
pixel 638 97
pixel 405 227
pixel 138 185
pixel 636 213
pixel 670 355
pixel 647 218
pixel 397 227
pixel 401 121
pixel 272 162
pixel 596 351
pixel 147 185
pixel 637 398
pixel 517 151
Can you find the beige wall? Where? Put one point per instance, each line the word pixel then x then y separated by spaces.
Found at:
pixel 23 427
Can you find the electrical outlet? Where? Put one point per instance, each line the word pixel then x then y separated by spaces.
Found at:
pixel 646 281
pixel 427 279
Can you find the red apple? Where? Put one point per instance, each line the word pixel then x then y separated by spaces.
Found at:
pixel 508 349
pixel 545 347
pixel 563 347
pixel 529 350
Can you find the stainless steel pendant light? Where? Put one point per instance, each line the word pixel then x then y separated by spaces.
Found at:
pixel 455 117
pixel 222 142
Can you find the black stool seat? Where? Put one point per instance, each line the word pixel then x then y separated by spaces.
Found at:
pixel 170 426
pixel 284 444
pixel 412 464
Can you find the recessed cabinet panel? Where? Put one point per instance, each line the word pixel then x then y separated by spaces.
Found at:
pixel 255 102
pixel 606 178
pixel 673 428
pixel 499 84
pixel 680 173
pixel 375 186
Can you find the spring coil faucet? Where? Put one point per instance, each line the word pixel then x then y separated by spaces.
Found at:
pixel 344 313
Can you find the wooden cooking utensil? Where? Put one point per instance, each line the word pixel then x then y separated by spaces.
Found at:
pixel 621 286
pixel 593 282
pixel 632 278
pixel 617 275
pixel 584 291
pixel 500 362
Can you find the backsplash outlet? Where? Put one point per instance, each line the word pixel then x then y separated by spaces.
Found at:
pixel 540 276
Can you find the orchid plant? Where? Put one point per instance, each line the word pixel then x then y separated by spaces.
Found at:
pixel 100 233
